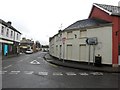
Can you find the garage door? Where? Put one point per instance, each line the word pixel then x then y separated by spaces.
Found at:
pixel 69 52
pixel 82 52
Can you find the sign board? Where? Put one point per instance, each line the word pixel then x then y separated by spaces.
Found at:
pixel 92 41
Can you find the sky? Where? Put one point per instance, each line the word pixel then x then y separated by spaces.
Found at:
pixel 41 19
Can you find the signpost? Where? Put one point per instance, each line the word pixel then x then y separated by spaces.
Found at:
pixel 63 41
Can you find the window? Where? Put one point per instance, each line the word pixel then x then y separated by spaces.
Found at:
pixel 11 34
pixel 2 30
pixel 83 33
pixel 7 33
pixel 17 36
pixel 69 35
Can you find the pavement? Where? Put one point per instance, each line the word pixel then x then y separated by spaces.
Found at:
pixel 80 65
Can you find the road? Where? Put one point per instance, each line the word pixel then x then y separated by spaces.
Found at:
pixel 22 72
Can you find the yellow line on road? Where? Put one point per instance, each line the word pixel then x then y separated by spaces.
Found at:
pixel 53 65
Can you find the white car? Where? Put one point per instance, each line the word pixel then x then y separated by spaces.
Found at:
pixel 30 51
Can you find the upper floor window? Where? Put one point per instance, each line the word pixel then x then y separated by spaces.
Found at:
pixel 7 32
pixel 11 34
pixel 17 36
pixel 2 30
pixel 83 33
pixel 69 35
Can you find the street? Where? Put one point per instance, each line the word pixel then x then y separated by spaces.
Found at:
pixel 32 71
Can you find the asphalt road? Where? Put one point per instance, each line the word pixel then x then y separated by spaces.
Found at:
pixel 32 71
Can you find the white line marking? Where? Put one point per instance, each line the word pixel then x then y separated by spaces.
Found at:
pixel 39 57
pixel 96 73
pixel 7 66
pixel 28 72
pixel 43 73
pixel 70 73
pixel 20 60
pixel 14 72
pixel 84 74
pixel 58 73
pixel 3 72
pixel 35 62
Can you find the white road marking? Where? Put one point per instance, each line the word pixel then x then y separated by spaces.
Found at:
pixel 43 73
pixel 70 73
pixel 7 66
pixel 57 73
pixel 39 57
pixel 3 72
pixel 96 73
pixel 49 60
pixel 20 60
pixel 84 74
pixel 28 72
pixel 35 62
pixel 14 72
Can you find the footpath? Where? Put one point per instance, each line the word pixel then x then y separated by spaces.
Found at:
pixel 80 65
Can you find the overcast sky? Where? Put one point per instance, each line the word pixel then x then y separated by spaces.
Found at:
pixel 41 19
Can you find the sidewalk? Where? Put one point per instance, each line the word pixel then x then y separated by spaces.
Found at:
pixel 79 65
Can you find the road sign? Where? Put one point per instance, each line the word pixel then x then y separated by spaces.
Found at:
pixel 35 62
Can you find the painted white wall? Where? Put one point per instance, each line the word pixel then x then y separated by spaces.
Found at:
pixel 104 47
pixel 13 38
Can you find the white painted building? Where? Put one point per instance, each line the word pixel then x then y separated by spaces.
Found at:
pixel 9 38
pixel 70 44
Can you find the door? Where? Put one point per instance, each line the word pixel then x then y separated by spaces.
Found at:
pixel 5 50
pixel 69 52
pixel 82 52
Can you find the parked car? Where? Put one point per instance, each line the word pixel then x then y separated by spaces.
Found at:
pixel 30 51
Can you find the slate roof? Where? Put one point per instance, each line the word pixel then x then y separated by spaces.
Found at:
pixel 86 23
pixel 112 10
pixel 7 25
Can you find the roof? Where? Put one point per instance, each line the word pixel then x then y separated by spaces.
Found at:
pixel 86 23
pixel 110 9
pixel 8 25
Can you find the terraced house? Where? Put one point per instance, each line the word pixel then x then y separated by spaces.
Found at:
pixel 9 39
pixel 98 35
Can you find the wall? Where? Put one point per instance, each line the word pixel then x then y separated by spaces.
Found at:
pixel 104 48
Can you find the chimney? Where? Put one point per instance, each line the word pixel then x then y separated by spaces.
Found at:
pixel 9 23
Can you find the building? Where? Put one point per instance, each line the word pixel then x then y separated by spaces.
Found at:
pixel 9 39
pixel 26 44
pixel 99 35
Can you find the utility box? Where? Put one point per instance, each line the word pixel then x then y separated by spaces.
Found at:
pixel 98 60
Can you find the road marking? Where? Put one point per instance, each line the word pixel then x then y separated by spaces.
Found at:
pixel 49 60
pixel 3 72
pixel 7 66
pixel 35 62
pixel 28 72
pixel 53 65
pixel 84 74
pixel 39 57
pixel 14 72
pixel 20 60
pixel 57 73
pixel 70 73
pixel 43 73
pixel 96 73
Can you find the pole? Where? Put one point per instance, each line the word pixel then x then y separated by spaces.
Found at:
pixel 63 51
pixel 89 55
pixel 93 54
